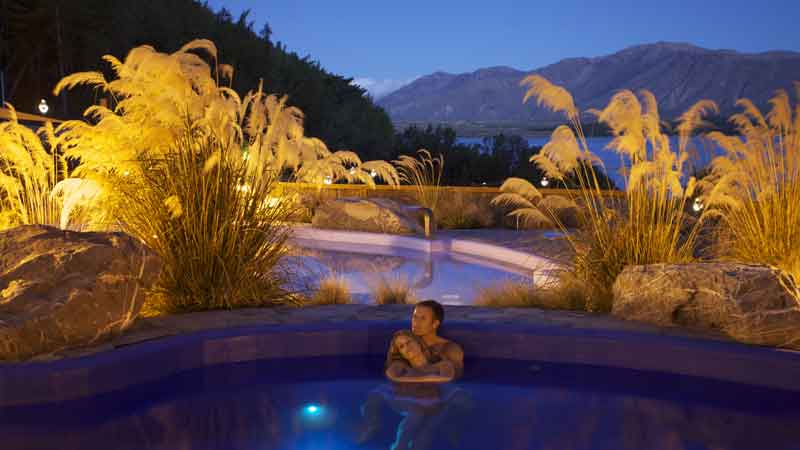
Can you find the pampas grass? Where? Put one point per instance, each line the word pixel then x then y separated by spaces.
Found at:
pixel 35 184
pixel 219 238
pixel 646 227
pixel 28 174
pixel 192 169
pixel 425 174
pixel 755 187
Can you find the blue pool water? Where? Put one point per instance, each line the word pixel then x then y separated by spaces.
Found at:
pixel 328 403
pixel 451 279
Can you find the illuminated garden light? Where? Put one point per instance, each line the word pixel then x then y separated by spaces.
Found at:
pixel 544 182
pixel 328 179
pixel 698 205
pixel 272 202
pixel 353 171
pixel 43 107
pixel 373 174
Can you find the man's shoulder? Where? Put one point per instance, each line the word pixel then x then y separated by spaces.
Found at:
pixel 450 348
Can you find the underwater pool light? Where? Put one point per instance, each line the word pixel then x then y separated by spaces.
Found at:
pixel 312 410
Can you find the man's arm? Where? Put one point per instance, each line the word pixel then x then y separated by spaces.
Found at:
pixel 453 356
pixel 401 372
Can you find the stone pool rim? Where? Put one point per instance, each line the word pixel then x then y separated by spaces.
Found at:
pixel 74 378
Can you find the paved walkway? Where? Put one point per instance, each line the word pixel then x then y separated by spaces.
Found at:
pixel 546 243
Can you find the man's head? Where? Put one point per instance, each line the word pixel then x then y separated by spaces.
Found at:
pixel 428 316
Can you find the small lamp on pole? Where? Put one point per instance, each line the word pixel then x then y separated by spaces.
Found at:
pixel 43 107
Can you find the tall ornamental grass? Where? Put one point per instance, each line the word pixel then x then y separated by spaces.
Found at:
pixel 754 188
pixel 190 168
pixel 645 226
pixel 35 184
pixel 425 174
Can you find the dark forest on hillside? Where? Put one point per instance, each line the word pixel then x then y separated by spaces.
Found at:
pixel 44 40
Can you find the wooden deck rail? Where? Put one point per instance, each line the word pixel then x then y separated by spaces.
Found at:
pixel 361 190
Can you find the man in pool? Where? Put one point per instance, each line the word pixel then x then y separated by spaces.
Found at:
pixel 445 358
pixel 418 393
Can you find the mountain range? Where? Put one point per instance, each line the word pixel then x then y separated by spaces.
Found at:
pixel 678 74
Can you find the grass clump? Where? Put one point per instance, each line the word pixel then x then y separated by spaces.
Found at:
pixel 643 227
pixel 425 174
pixel 754 188
pixel 564 294
pixel 464 211
pixel 192 169
pixel 332 290
pixel 393 291
pixel 35 183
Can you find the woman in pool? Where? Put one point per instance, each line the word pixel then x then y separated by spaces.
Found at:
pixel 408 361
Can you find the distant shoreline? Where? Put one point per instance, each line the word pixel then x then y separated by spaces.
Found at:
pixel 480 129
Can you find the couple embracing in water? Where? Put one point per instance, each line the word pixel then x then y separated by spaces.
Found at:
pixel 421 355
pixel 420 363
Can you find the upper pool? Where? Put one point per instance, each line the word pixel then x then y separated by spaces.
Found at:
pixel 341 403
pixel 449 277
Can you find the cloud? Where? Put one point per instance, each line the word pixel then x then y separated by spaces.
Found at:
pixel 381 88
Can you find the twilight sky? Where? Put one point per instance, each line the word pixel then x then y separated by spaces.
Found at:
pixel 384 44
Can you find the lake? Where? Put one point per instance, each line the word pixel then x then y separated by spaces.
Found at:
pixel 701 151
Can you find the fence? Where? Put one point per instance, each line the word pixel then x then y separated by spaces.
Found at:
pixel 458 206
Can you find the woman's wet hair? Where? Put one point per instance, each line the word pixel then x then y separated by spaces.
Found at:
pixel 394 352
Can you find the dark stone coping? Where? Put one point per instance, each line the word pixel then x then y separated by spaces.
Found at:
pixel 43 382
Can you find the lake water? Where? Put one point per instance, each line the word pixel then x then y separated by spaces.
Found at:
pixel 701 151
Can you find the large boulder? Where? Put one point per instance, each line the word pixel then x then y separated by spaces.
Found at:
pixel 60 289
pixel 380 215
pixel 747 302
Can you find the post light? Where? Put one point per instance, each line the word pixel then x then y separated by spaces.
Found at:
pixel 43 108
pixel 544 182
pixel 698 205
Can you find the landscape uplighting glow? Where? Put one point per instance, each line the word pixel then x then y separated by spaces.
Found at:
pixel 544 181
pixel 328 180
pixel 373 174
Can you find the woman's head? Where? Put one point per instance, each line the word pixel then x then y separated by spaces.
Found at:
pixel 409 347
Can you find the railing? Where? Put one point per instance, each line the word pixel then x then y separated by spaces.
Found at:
pixel 5 113
pixel 363 190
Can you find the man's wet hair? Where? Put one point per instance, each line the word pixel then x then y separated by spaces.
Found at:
pixel 436 307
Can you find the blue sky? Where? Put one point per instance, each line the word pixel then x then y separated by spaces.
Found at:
pixel 384 44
